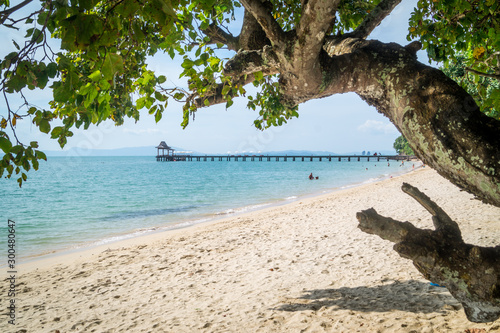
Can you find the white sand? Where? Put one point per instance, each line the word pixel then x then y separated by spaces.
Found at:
pixel 303 267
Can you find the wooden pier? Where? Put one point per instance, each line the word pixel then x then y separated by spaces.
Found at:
pixel 285 158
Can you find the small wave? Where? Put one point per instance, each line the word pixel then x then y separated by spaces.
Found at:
pixel 243 209
pixel 185 224
pixel 117 238
pixel 226 212
pixel 293 197
pixel 371 180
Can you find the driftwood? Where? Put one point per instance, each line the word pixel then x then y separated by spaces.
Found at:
pixel 470 273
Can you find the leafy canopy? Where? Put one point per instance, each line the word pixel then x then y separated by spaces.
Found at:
pixel 100 71
pixel 402 146
pixel 463 35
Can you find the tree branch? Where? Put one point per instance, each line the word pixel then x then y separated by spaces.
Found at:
pixel 470 273
pixel 317 17
pixel 440 219
pixel 373 19
pixel 248 62
pixel 262 13
pixel 217 35
pixel 385 227
pixel 217 97
pixel 5 14
pixel 493 76
pixel 252 36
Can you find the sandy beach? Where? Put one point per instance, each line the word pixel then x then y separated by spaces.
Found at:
pixel 300 267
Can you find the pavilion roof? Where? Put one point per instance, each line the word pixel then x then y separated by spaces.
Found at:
pixel 163 145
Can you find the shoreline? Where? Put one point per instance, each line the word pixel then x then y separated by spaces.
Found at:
pixel 207 219
pixel 304 266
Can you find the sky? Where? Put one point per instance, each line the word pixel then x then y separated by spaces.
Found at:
pixel 338 124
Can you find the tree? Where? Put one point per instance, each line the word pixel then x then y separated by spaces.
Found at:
pixel 402 147
pixel 291 51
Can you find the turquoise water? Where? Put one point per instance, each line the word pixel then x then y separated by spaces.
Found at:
pixel 73 202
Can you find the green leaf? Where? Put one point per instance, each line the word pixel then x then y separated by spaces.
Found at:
pixel 56 132
pixel 162 79
pixel 140 103
pixel 96 76
pixel 258 75
pixel 44 126
pixel 62 93
pixel 158 116
pixel 11 56
pixel 138 33
pixel 40 155
pixel 17 149
pixel 113 65
pixel 5 145
pixel 225 90
pixel 187 63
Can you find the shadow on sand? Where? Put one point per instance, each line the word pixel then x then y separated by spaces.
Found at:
pixel 410 296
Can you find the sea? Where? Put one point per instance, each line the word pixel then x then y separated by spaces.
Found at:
pixel 73 203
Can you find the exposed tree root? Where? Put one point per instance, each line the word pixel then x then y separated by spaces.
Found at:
pixel 471 273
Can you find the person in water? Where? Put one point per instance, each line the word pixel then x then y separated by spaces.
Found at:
pixel 311 176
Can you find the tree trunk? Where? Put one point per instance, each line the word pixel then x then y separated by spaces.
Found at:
pixel 446 130
pixel 441 122
pixel 470 273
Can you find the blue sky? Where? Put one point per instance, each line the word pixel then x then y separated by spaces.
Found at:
pixel 340 123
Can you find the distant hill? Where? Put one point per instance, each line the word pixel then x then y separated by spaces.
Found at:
pixel 151 151
pixel 316 153
pixel 296 152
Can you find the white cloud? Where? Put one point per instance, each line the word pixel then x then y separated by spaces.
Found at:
pixel 377 127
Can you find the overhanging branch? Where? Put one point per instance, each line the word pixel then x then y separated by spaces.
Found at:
pixel 6 13
pixel 217 35
pixel 373 19
pixel 473 71
pixel 317 18
pixel 217 97
pixel 248 62
pixel 261 11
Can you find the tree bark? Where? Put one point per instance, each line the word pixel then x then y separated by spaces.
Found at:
pixel 441 122
pixel 471 273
